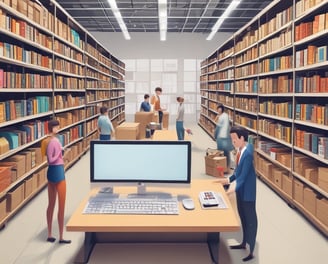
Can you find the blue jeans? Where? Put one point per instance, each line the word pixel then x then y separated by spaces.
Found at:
pixel 226 146
pixel 104 137
pixel 180 130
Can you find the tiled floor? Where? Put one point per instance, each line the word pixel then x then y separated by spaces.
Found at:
pixel 284 236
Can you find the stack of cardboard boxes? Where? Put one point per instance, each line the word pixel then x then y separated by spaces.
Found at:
pixel 215 163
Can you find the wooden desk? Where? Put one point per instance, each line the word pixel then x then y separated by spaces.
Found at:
pixel 189 226
pixel 167 135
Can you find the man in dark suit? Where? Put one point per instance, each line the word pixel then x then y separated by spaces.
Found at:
pixel 245 188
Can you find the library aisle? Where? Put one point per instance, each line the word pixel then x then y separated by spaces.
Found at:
pixel 284 236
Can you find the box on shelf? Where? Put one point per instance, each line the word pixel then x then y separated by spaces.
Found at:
pixel 287 184
pixel 267 169
pixel 143 118
pixel 28 160
pixel 309 200
pixel 127 131
pixel 3 208
pixel 298 191
pixel 311 174
pixel 321 211
pixel 20 163
pixel 42 177
pixel 5 177
pixel 285 159
pixel 38 156
pixel 13 169
pixel 277 176
pixel 323 178
pixel 274 152
pixel 15 197
pixel 28 188
pixel 34 182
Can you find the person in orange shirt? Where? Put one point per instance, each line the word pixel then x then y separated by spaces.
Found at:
pixel 155 101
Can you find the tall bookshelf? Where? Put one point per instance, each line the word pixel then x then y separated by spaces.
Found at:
pixel 50 67
pixel 272 77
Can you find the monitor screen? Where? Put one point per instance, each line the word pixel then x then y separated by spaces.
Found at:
pixel 140 162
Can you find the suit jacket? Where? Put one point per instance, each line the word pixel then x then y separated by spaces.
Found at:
pixel 245 176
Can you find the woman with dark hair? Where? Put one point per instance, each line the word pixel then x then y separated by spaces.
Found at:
pixel 52 147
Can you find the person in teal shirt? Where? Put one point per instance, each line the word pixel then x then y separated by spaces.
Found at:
pixel 105 126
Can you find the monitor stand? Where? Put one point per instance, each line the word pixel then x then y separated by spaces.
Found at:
pixel 142 193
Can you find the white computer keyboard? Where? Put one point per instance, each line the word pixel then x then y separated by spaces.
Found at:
pixel 140 206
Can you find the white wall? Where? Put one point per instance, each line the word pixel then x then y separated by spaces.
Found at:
pixel 185 50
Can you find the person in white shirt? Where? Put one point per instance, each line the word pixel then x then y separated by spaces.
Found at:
pixel 222 133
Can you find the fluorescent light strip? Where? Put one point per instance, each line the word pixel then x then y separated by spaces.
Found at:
pixel 119 18
pixel 219 22
pixel 162 18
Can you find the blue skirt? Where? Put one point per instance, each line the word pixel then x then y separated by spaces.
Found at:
pixel 55 173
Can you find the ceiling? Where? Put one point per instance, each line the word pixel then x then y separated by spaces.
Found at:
pixel 192 16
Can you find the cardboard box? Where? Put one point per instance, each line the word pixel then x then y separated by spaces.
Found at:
pixel 212 162
pixel 14 4
pixel 321 211
pixel 13 169
pixel 143 118
pixel 34 182
pixel 267 169
pixel 28 160
pixel 28 187
pixel 38 156
pixel 165 120
pixel 5 178
pixel 15 197
pixel 298 191
pixel 309 200
pixel 20 164
pixel 127 131
pixel 22 6
pixel 3 208
pixel 323 178
pixel 287 184
pixel 42 177
pixel 277 177
pixel 311 174
pixel 285 159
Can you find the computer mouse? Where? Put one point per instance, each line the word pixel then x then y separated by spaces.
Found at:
pixel 188 204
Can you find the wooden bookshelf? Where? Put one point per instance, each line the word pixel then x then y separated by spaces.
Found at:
pixel 50 66
pixel 276 70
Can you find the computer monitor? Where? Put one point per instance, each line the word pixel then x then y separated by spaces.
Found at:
pixel 140 163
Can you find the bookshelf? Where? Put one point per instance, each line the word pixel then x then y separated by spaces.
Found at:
pixel 273 76
pixel 50 67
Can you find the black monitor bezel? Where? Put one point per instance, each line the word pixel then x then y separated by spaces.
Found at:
pixel 139 142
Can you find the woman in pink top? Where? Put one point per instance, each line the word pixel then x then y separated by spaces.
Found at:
pixel 56 181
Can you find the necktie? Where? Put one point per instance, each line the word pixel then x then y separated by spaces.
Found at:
pixel 237 158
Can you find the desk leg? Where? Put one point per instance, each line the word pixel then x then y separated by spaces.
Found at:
pixel 85 252
pixel 213 240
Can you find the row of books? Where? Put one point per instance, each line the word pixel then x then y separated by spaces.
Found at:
pixel 311 84
pixel 70 135
pixel 116 110
pixel 280 84
pixel 248 39
pixel 24 29
pixel 303 5
pixel 312 112
pixel 247 104
pixel 67 100
pixel 28 56
pixel 226 86
pixel 305 29
pixel 275 129
pixel 67 66
pixel 281 19
pixel 66 32
pixel 283 109
pixel 276 64
pixel 67 51
pixel 69 118
pixel 92 110
pixel 226 63
pixel 316 143
pixel 310 55
pixel 19 135
pixel 228 74
pixel 250 54
pixel 32 10
pixel 63 82
pixel 19 80
pixel 91 126
pixel 250 69
pixel 246 121
pixel 13 109
pixel 276 43
pixel 246 86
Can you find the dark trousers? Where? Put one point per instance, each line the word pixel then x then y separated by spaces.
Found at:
pixel 248 218
pixel 160 118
